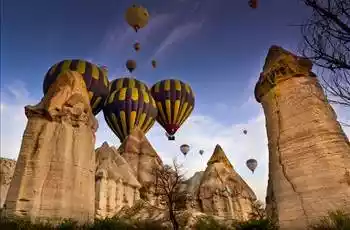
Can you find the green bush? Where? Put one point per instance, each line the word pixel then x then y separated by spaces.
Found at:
pixel 337 220
pixel 258 224
pixel 105 224
pixel 209 223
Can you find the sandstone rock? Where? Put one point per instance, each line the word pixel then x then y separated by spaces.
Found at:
pixel 142 158
pixel 7 167
pixel 222 191
pixel 116 184
pixel 55 171
pixel 308 150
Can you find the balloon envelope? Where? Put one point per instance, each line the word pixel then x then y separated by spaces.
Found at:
pixel 252 164
pixel 128 108
pixel 137 46
pixel 137 17
pixel 154 63
pixel 201 152
pixel 131 65
pixel 253 3
pixel 95 78
pixel 245 131
pixel 175 102
pixel 185 149
pixel 127 82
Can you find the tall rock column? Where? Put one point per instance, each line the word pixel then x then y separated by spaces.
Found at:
pixel 308 150
pixel 54 176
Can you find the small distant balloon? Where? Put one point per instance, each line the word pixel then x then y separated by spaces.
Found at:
pixel 154 63
pixel 252 164
pixel 131 65
pixel 201 152
pixel 137 46
pixel 185 148
pixel 253 3
pixel 245 131
pixel 137 17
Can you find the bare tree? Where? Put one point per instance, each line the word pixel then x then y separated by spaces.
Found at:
pixel 326 41
pixel 168 182
pixel 258 210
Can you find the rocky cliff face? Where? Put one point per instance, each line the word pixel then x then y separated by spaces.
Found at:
pixel 142 158
pixel 7 168
pixel 116 184
pixel 55 171
pixel 308 151
pixel 219 190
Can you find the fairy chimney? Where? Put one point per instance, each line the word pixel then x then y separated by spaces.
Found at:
pixel 142 158
pixel 222 191
pixel 308 151
pixel 54 176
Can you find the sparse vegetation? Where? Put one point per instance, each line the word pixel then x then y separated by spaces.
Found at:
pixel 105 224
pixel 337 220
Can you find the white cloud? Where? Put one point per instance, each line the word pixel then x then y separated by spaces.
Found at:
pixel 177 35
pixel 200 132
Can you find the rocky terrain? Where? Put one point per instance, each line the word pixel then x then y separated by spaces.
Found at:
pixel 7 168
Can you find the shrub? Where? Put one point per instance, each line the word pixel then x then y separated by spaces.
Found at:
pixel 209 223
pixel 105 224
pixel 336 220
pixel 256 224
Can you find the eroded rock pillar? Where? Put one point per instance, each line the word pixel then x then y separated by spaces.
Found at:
pixel 55 172
pixel 308 150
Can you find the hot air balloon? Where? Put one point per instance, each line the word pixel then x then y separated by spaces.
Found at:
pixel 128 108
pixel 95 78
pixel 253 3
pixel 137 46
pixel 252 164
pixel 137 17
pixel 154 63
pixel 127 82
pixel 184 149
pixel 175 102
pixel 201 152
pixel 131 65
pixel 245 132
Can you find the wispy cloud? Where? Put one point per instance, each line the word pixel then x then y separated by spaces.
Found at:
pixel 177 35
pixel 121 34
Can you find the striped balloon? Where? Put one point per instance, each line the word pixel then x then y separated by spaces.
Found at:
pixel 175 102
pixel 95 78
pixel 128 108
pixel 127 82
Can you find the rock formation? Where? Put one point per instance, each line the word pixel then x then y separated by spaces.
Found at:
pixel 308 150
pixel 116 184
pixel 55 171
pixel 219 190
pixel 222 191
pixel 142 158
pixel 7 167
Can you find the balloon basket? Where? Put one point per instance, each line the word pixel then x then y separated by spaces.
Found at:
pixel 171 138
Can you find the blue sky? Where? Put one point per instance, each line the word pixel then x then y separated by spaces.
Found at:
pixel 219 48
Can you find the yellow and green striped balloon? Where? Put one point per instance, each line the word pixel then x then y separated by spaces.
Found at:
pixel 127 82
pixel 175 103
pixel 128 108
pixel 95 78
